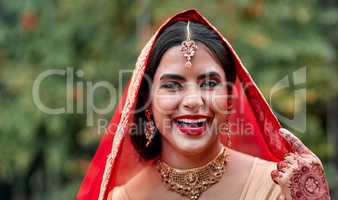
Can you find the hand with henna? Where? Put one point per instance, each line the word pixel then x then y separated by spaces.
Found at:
pixel 300 175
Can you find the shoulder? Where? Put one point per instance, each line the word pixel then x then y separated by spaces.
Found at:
pixel 118 193
pixel 145 185
pixel 258 181
pixel 248 162
pixel 261 183
pixel 264 168
pixel 240 162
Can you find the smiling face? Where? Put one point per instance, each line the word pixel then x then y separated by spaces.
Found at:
pixel 189 103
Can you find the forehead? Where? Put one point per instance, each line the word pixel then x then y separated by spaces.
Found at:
pixel 203 61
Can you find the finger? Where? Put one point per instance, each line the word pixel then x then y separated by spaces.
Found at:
pixel 275 176
pixel 297 146
pixel 279 177
pixel 281 197
pixel 290 158
pixel 282 166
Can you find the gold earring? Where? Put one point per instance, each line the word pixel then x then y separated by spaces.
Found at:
pixel 227 125
pixel 149 129
pixel 228 133
pixel 229 108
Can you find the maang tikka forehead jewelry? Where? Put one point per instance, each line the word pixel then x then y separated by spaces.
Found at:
pixel 188 47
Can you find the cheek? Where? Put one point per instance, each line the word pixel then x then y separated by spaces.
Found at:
pixel 217 101
pixel 165 104
pixel 217 104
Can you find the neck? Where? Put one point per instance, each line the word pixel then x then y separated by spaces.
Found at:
pixel 182 160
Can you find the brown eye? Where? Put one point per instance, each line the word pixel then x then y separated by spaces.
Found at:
pixel 209 84
pixel 172 85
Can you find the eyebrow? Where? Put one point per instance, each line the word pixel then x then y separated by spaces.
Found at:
pixel 209 74
pixel 172 76
pixel 181 78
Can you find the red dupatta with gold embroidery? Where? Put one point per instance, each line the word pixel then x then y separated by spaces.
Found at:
pixel 116 160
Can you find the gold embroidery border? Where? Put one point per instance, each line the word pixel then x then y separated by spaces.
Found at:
pixel 130 100
pixel 134 85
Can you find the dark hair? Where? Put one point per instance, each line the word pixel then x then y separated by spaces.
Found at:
pixel 170 37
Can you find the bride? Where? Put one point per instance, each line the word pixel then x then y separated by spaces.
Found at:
pixel 193 125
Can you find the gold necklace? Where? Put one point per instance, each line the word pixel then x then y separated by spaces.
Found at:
pixel 193 182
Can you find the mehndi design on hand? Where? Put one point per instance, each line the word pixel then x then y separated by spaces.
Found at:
pixel 300 174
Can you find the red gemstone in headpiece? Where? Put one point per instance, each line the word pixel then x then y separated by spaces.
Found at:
pixel 188 48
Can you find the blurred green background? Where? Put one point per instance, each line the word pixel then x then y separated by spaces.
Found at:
pixel 44 156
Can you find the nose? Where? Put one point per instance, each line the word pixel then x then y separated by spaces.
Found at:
pixel 192 101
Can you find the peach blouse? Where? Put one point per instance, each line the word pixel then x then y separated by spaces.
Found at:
pixel 259 185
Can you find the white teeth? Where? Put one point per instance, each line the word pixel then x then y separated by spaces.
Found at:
pixel 192 120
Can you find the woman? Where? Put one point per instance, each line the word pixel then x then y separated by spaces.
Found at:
pixel 193 125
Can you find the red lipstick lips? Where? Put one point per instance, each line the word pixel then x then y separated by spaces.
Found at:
pixel 193 125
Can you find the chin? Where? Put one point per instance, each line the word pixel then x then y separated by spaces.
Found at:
pixel 191 145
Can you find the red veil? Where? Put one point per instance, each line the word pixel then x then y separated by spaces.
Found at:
pixel 116 161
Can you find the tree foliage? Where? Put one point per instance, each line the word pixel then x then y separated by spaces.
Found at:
pixel 44 156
